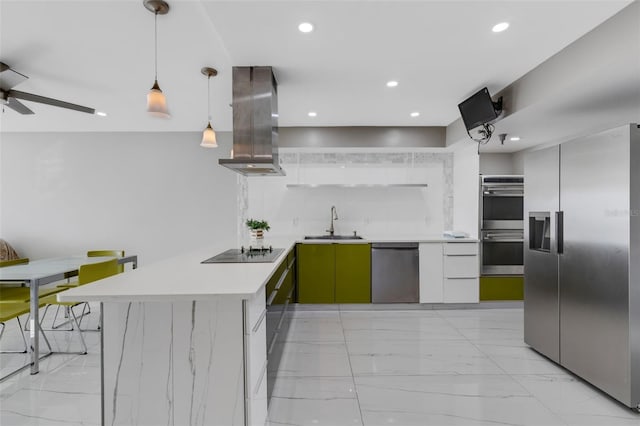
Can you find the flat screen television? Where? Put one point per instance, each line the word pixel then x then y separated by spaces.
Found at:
pixel 479 109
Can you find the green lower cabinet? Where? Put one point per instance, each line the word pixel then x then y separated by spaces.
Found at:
pixel 316 273
pixel 334 273
pixel 353 273
pixel 501 288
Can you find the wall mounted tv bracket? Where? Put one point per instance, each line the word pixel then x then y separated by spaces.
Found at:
pixel 486 130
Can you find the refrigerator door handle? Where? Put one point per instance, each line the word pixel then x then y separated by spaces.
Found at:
pixel 560 232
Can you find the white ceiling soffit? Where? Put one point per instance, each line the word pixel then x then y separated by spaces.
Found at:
pixel 100 54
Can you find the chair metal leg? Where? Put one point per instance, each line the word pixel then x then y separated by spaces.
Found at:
pixel 82 315
pixel 44 336
pixel 28 364
pixel 54 327
pixel 66 315
pixel 24 340
pixel 84 345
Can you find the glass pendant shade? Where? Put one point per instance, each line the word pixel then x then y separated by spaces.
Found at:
pixel 156 102
pixel 209 137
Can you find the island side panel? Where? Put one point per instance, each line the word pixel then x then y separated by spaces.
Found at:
pixel 173 363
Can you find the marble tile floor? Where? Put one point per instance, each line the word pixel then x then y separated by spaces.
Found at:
pixel 355 367
pixel 345 367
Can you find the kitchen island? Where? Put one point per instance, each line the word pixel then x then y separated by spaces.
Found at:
pixel 183 343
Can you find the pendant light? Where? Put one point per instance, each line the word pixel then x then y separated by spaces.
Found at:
pixel 208 134
pixel 156 101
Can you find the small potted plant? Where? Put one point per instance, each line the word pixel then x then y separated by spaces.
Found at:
pixel 257 228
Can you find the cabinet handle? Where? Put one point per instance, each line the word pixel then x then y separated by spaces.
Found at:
pixel 272 343
pixel 272 296
pixel 281 280
pixel 260 319
pixel 284 312
pixel 262 375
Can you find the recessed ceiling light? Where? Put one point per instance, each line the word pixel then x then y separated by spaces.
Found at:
pixel 415 114
pixel 514 138
pixel 101 114
pixel 498 28
pixel 312 114
pixel 305 27
pixel 392 83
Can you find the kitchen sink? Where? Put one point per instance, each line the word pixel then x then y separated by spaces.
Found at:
pixel 332 237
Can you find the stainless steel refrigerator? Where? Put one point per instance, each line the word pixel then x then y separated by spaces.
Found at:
pixel 582 258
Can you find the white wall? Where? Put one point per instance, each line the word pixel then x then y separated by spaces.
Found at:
pixel 152 194
pixel 466 168
pixel 497 164
pixel 369 211
pixel 518 162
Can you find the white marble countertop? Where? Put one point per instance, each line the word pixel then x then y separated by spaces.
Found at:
pixel 184 278
pixel 395 239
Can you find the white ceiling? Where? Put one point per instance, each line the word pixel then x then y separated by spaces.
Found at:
pixel 100 54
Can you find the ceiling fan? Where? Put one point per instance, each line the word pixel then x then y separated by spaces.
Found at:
pixel 9 97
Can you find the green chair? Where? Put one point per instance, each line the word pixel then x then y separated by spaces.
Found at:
pixel 86 309
pixel 9 311
pixel 12 262
pixel 104 253
pixel 97 253
pixel 87 274
pixel 18 292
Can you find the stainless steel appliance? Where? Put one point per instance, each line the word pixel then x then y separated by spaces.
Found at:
pixel 395 273
pixel 502 252
pixel 501 201
pixel 255 123
pixel 250 255
pixel 501 224
pixel 582 258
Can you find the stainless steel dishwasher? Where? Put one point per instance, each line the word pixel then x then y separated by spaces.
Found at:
pixel 395 274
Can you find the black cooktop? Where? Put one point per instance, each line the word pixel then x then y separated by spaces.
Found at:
pixel 250 255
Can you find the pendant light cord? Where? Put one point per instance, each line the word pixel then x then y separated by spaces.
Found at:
pixel 156 44
pixel 209 98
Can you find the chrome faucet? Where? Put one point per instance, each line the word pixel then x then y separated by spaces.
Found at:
pixel 334 216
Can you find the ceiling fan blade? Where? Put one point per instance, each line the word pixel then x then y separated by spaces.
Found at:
pixel 49 101
pixel 18 106
pixel 9 78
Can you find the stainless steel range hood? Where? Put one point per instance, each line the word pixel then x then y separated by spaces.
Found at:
pixel 255 123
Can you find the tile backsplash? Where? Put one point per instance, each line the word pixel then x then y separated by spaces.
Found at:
pixel 367 210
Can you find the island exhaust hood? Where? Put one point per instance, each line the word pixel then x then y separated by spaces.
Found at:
pixel 255 123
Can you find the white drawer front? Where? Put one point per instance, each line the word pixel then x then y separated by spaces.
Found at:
pixel 461 267
pixel 257 355
pixel 255 308
pixel 461 290
pixel 456 249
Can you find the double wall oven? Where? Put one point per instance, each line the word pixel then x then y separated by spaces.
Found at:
pixel 501 224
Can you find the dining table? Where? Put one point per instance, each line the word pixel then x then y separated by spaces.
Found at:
pixel 38 273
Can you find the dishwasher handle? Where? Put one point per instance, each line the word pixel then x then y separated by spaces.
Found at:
pixel 395 246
